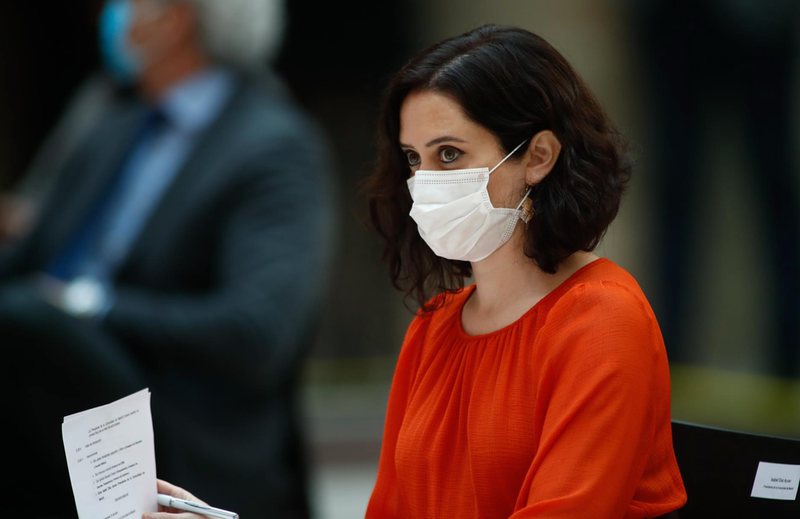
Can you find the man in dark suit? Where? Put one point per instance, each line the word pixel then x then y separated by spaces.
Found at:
pixel 184 247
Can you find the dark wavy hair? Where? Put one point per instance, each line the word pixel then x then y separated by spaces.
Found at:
pixel 515 84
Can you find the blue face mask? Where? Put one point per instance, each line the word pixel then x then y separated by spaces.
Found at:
pixel 119 57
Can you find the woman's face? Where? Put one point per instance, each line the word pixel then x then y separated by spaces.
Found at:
pixel 435 135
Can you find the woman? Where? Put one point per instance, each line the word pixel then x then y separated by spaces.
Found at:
pixel 542 389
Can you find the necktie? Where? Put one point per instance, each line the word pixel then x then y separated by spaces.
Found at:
pixel 81 255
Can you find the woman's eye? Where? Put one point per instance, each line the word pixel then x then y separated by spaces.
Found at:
pixel 413 158
pixel 449 154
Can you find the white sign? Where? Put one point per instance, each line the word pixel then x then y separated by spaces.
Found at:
pixel 776 481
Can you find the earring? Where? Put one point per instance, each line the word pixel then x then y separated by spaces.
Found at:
pixel 527 210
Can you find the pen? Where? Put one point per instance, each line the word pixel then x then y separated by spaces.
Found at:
pixel 182 504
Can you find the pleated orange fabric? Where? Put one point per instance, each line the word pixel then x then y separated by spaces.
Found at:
pixel 564 413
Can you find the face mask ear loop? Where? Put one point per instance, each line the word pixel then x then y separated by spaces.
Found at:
pixel 507 156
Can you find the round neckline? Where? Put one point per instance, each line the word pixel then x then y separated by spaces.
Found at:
pixel 549 295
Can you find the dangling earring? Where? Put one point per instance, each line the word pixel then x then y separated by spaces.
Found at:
pixel 527 210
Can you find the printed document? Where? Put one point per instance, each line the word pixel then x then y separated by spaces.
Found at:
pixel 111 459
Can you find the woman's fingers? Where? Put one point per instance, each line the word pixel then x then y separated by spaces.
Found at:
pixel 175 491
pixel 166 515
pixel 165 512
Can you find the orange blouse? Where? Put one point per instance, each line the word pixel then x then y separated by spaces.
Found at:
pixel 564 413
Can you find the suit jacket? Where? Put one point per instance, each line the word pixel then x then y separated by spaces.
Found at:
pixel 220 292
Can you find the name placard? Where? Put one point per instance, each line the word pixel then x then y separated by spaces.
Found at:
pixel 776 481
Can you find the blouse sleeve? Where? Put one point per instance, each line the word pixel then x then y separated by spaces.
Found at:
pixel 385 502
pixel 594 416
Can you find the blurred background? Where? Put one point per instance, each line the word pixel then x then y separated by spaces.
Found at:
pixel 707 94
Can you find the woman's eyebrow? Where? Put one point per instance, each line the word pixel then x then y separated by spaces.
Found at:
pixel 438 140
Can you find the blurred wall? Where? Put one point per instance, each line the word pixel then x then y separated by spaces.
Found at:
pixel 337 60
pixel 46 50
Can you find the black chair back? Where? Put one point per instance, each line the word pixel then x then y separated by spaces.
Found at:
pixel 719 467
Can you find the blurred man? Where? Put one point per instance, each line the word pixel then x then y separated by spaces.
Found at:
pixel 184 247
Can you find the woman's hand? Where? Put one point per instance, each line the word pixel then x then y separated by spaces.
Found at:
pixel 165 512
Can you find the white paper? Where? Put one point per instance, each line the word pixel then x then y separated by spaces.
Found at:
pixel 111 459
pixel 776 481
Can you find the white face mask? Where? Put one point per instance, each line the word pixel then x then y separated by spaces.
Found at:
pixel 455 216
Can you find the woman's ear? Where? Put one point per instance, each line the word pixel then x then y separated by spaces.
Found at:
pixel 543 152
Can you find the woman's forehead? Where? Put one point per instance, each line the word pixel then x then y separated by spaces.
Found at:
pixel 428 115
